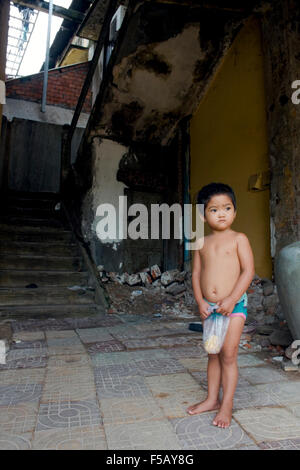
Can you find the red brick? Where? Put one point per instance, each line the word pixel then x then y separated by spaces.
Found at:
pixel 64 87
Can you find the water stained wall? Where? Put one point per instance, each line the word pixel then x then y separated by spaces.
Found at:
pixel 142 175
pixel 281 42
pixel 161 65
pixel 160 71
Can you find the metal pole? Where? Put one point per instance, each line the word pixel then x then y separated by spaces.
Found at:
pixel 46 67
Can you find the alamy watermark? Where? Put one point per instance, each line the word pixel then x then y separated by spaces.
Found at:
pixel 294 358
pixel 2 352
pixel 113 222
pixel 296 95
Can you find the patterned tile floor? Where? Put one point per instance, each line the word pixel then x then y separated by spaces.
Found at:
pixel 124 382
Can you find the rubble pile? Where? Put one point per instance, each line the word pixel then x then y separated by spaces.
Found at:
pixel 151 291
pixel 277 341
pixel 170 293
pixel 263 303
pixel 172 280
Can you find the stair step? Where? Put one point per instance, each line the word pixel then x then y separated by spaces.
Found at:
pixel 41 263
pixel 26 199
pixel 27 248
pixel 31 212
pixel 31 222
pixel 37 248
pixel 14 278
pixel 35 235
pixel 31 194
pixel 49 311
pixel 43 296
pixel 31 229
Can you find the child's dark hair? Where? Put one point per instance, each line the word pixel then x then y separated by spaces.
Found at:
pixel 212 189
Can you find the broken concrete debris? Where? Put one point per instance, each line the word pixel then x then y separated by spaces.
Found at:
pixel 277 358
pixel 155 272
pixel 168 277
pixel 146 279
pixel 171 281
pixel 290 351
pixel 170 293
pixel 267 286
pixel 145 293
pixel 175 288
pixel 281 337
pixel 289 366
pixel 263 303
pixel 134 280
pixel 135 293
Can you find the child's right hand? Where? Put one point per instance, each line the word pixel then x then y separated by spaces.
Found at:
pixel 203 309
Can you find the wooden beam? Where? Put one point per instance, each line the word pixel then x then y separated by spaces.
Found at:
pixel 201 4
pixel 67 14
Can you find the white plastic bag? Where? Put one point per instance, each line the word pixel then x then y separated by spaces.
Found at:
pixel 214 331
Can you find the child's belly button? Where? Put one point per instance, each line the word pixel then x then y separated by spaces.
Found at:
pixel 214 292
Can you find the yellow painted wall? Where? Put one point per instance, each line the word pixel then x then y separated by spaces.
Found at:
pixel 74 56
pixel 229 139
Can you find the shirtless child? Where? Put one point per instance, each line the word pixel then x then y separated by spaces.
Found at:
pixel 225 268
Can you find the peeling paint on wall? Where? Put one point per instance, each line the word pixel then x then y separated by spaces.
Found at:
pixel 163 58
pixel 161 67
pixel 106 188
pixel 151 86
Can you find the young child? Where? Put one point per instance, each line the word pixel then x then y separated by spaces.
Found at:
pixel 223 270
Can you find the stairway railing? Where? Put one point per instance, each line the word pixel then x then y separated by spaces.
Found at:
pixel 68 136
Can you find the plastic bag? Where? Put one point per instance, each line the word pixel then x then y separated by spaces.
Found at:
pixel 214 331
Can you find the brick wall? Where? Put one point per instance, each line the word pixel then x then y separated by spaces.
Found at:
pixel 64 87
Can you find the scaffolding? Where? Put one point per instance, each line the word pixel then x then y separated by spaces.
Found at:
pixel 21 24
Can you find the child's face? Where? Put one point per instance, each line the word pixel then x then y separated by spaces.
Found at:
pixel 219 212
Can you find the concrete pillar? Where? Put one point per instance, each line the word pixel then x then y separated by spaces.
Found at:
pixel 281 41
pixel 4 15
pixel 281 44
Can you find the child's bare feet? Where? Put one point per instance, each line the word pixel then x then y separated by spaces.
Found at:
pixel 223 418
pixel 206 405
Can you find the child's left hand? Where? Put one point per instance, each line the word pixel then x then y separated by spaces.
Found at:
pixel 226 306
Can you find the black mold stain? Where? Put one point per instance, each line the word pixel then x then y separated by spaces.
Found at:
pixel 154 23
pixel 211 30
pixel 153 62
pixel 160 22
pixel 202 68
pixel 283 100
pixel 155 122
pixel 123 120
pixel 158 66
pixel 150 132
pixel 143 167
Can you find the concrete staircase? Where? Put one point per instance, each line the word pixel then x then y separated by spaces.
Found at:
pixel 40 260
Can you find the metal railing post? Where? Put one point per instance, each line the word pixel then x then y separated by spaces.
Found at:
pixel 45 84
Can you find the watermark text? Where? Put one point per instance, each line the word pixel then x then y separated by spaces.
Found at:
pixel 160 222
